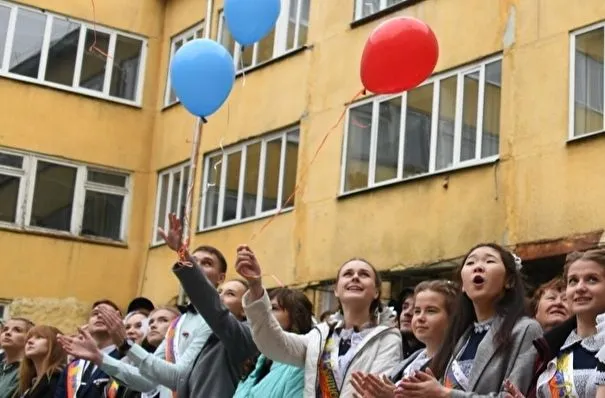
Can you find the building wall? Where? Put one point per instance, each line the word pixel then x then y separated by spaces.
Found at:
pixel 541 188
pixel 71 126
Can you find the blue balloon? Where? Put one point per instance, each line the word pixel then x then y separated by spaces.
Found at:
pixel 202 75
pixel 251 20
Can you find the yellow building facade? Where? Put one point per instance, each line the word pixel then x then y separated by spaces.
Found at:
pixel 503 143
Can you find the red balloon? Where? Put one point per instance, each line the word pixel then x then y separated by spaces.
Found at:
pixel 399 55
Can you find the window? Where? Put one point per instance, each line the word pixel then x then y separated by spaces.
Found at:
pixel 363 8
pixel 41 192
pixel 250 180
pixel 53 50
pixel 171 197
pixel 587 81
pixel 290 33
pixel 451 121
pixel 196 32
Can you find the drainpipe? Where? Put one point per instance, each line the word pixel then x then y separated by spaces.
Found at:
pixel 198 122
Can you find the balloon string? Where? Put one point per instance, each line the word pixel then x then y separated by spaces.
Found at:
pixel 93 47
pixel 241 65
pixel 303 173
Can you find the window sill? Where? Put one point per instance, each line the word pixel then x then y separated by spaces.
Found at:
pixel 249 69
pixel 70 90
pixel 383 12
pixel 61 235
pixel 389 183
pixel 584 137
pixel 246 221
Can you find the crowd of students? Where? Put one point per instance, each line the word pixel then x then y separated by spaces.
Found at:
pixel 477 336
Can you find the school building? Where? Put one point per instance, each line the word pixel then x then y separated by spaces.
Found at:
pixel 502 143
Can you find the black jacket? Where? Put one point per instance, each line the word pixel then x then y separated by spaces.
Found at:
pixel 46 388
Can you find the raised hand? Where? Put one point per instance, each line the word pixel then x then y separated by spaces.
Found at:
pixel 174 236
pixel 511 390
pixel 115 326
pixel 82 346
pixel 247 265
pixel 371 386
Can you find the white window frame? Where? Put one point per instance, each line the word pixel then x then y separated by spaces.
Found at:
pixel 27 185
pixel 184 36
pixel 221 180
pixel 5 304
pixel 280 42
pixel 359 8
pixel 158 196
pixel 84 27
pixel 572 82
pixel 456 163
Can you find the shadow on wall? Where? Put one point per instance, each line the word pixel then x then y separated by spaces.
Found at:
pixel 64 314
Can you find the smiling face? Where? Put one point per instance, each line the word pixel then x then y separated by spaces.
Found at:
pixel 135 327
pixel 430 320
pixel 551 309
pixel 586 288
pixel 483 275
pixel 356 284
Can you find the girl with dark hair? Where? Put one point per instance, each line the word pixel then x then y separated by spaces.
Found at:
pixel 361 337
pixel 489 339
pixel 40 371
pixel 294 312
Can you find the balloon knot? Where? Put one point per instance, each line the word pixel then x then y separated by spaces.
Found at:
pixel 204 120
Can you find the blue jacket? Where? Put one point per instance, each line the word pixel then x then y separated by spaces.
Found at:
pixel 281 381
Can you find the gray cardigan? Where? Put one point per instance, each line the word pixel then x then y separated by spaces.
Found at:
pixel 515 362
pixel 217 369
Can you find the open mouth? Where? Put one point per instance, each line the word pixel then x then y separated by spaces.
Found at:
pixel 582 300
pixel 478 280
pixel 354 288
pixel 557 312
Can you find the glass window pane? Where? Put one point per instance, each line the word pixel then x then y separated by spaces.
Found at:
pixel 53 196
pixel 62 51
pixel 303 22
pixel 445 129
pixel 9 193
pixel 162 216
pixel 387 145
pixel 125 72
pixel 469 116
pixel 27 43
pixel 417 147
pixel 102 215
pixel 172 96
pixel 270 184
pixel 225 36
pixel 251 180
pixel 93 62
pixel 246 56
pixel 265 48
pixel 588 104
pixel 199 33
pixel 369 7
pixel 232 186
pixel 9 160
pixel 5 13
pixel 289 182
pixel 490 141
pixel 211 190
pixel 103 177
pixel 358 147
pixel 184 188
pixel 174 195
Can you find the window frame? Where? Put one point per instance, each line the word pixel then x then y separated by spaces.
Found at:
pixel 571 136
pixel 280 43
pixel 180 167
pixel 243 148
pixel 25 196
pixel 183 35
pixel 358 8
pixel 460 73
pixel 75 85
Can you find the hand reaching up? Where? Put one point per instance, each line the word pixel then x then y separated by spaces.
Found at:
pixel 174 236
pixel 247 266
